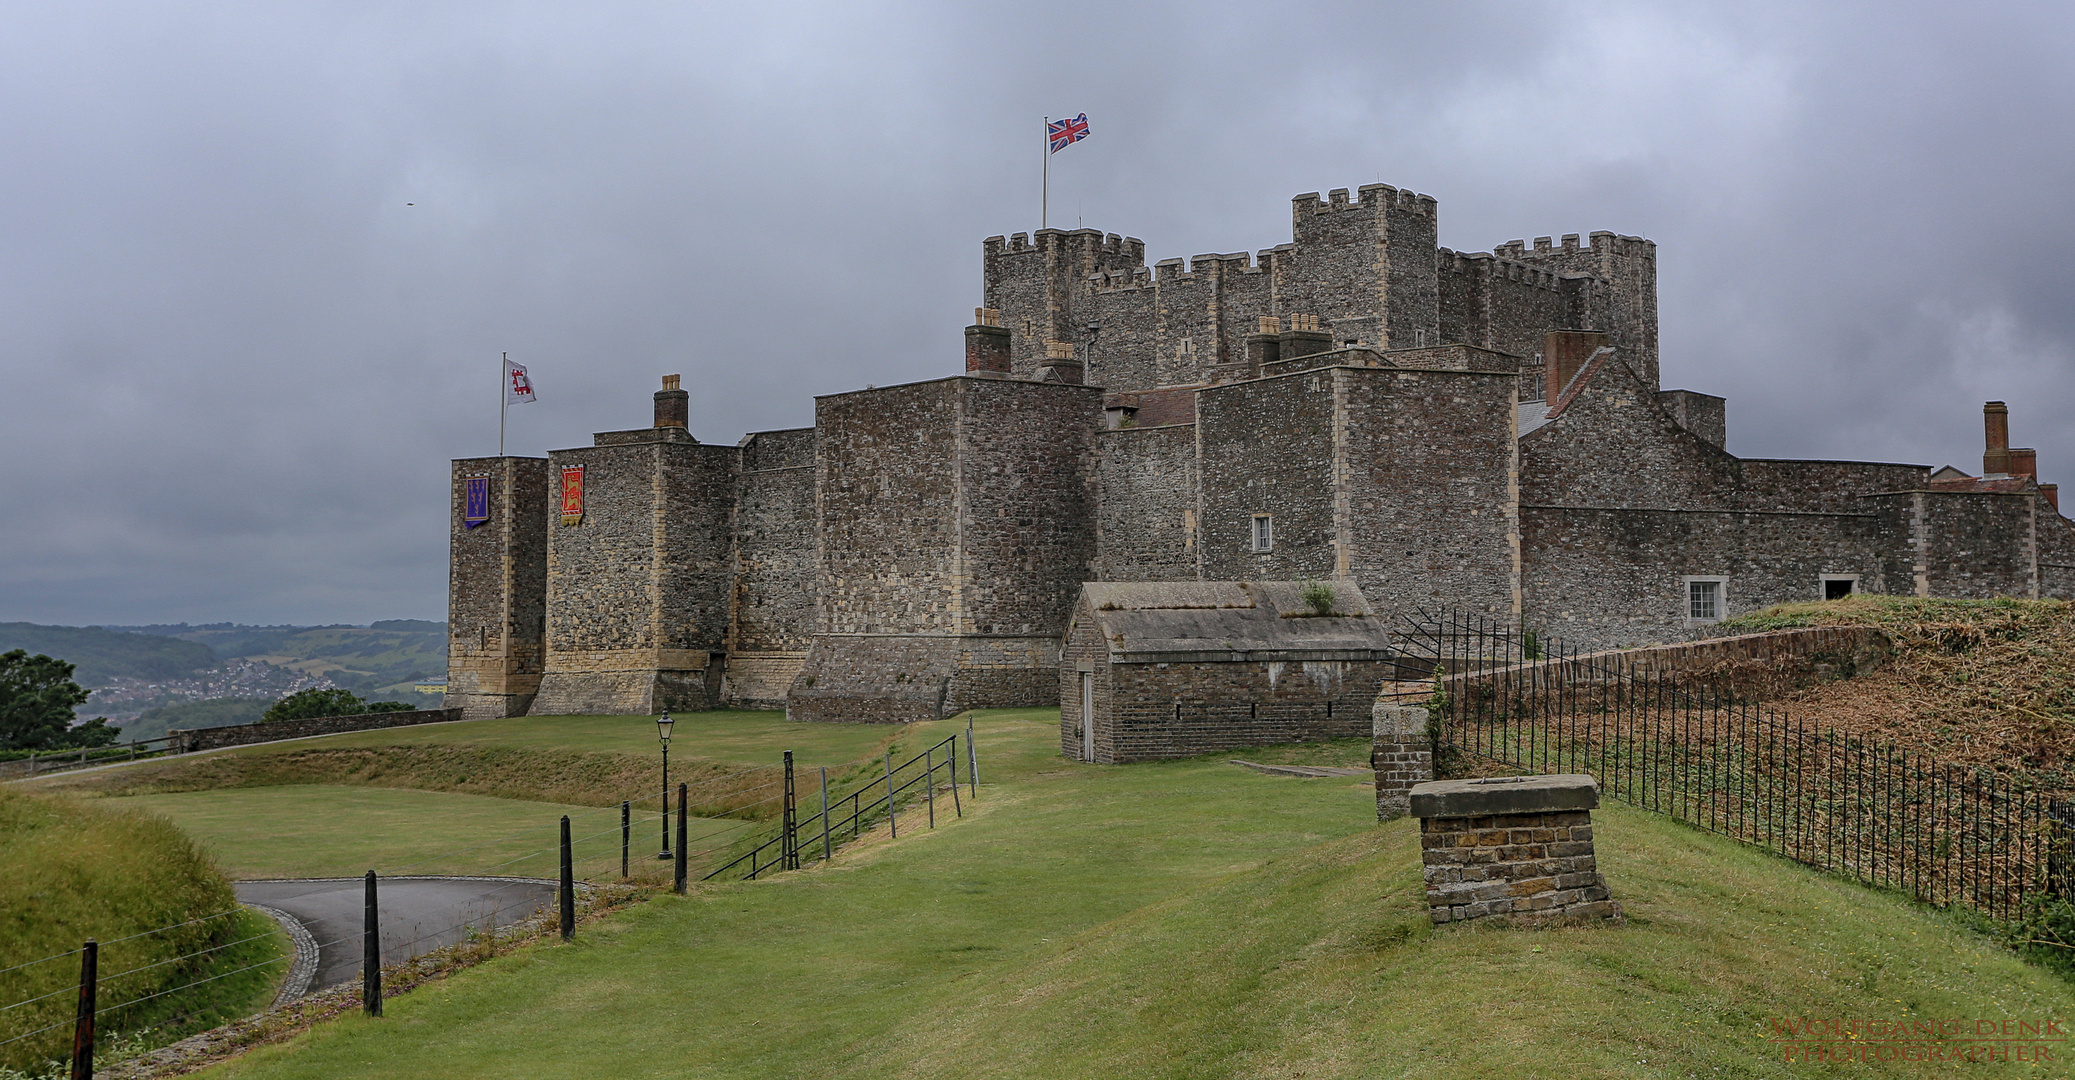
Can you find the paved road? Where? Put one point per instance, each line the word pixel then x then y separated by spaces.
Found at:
pixel 419 914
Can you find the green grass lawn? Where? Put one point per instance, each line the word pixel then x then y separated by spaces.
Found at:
pixel 723 735
pixel 329 830
pixel 1188 919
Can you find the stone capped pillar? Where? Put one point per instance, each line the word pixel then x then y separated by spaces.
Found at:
pixel 1517 846
pixel 1403 756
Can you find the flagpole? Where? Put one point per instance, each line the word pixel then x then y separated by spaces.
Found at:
pixel 503 400
pixel 1045 188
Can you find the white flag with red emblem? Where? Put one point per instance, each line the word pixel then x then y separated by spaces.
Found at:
pixel 518 386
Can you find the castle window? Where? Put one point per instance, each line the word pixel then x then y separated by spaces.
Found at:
pixel 1839 586
pixel 1264 532
pixel 1707 599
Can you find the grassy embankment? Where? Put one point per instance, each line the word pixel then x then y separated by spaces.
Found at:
pixel 71 870
pixel 1987 683
pixel 1188 919
pixel 481 796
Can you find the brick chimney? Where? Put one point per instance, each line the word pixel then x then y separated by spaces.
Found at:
pixel 2024 461
pixel 1995 422
pixel 673 406
pixel 1565 351
pixel 987 344
pixel 1302 338
pixel 2052 493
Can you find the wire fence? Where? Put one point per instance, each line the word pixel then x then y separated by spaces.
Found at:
pixel 226 964
pixel 1667 743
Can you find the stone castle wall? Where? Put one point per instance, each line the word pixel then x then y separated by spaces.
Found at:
pixel 919 549
pixel 638 589
pixel 1146 517
pixel 497 589
pixel 776 552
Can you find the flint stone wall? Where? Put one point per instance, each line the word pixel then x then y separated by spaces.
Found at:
pixel 192 740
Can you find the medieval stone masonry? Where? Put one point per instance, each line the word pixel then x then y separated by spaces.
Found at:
pixel 1359 405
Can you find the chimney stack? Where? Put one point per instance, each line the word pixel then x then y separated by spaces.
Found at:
pixel 2052 492
pixel 673 406
pixel 1060 365
pixel 2024 461
pixel 987 344
pixel 1262 348
pixel 1303 338
pixel 1995 422
pixel 1565 352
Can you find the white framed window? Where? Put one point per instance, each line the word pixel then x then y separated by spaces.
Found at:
pixel 1264 532
pixel 1707 600
pixel 1839 586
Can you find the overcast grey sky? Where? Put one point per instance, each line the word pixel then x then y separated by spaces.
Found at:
pixel 234 358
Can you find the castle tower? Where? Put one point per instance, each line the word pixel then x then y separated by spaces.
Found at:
pixel 639 569
pixel 496 585
pixel 1364 267
pixel 957 523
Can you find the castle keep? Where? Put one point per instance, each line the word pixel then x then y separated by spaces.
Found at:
pixel 1359 405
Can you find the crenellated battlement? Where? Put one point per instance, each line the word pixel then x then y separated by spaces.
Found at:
pixel 1092 241
pixel 1467 263
pixel 1371 197
pixel 1602 243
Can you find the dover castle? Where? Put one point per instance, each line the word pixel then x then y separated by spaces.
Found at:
pixel 1479 429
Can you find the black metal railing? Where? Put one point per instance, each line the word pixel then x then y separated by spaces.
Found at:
pixel 1662 740
pixel 915 783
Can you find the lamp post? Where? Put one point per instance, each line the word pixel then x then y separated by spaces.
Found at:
pixel 663 731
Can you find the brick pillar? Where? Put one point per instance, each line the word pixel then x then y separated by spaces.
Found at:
pixel 1403 755
pixel 1513 846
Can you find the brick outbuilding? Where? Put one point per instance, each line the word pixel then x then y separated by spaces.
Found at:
pixel 1175 668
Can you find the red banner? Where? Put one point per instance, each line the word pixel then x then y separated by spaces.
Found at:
pixel 572 494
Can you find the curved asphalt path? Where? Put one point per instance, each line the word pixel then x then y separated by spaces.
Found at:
pixel 419 914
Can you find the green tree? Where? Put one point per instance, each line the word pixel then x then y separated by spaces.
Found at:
pixel 37 696
pixel 304 704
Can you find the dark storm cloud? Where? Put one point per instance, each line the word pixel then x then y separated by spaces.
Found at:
pixel 235 360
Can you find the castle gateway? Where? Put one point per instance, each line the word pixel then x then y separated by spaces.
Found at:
pixel 1436 427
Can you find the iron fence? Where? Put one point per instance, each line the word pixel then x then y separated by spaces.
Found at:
pixel 1666 742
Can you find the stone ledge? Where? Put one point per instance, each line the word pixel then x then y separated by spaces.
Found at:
pixel 1504 795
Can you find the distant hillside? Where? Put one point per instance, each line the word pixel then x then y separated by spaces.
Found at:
pixel 362 659
pixel 102 654
pixel 213 712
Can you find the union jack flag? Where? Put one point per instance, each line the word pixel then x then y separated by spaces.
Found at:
pixel 1065 133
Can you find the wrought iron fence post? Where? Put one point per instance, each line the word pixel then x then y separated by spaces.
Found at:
pixel 952 756
pixel 371 952
pixel 83 1023
pixel 683 856
pixel 626 833
pixel 790 849
pixel 929 783
pixel 566 895
pixel 891 825
pixel 827 852
pixel 972 756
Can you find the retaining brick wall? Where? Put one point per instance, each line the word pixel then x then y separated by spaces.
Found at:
pixel 1531 867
